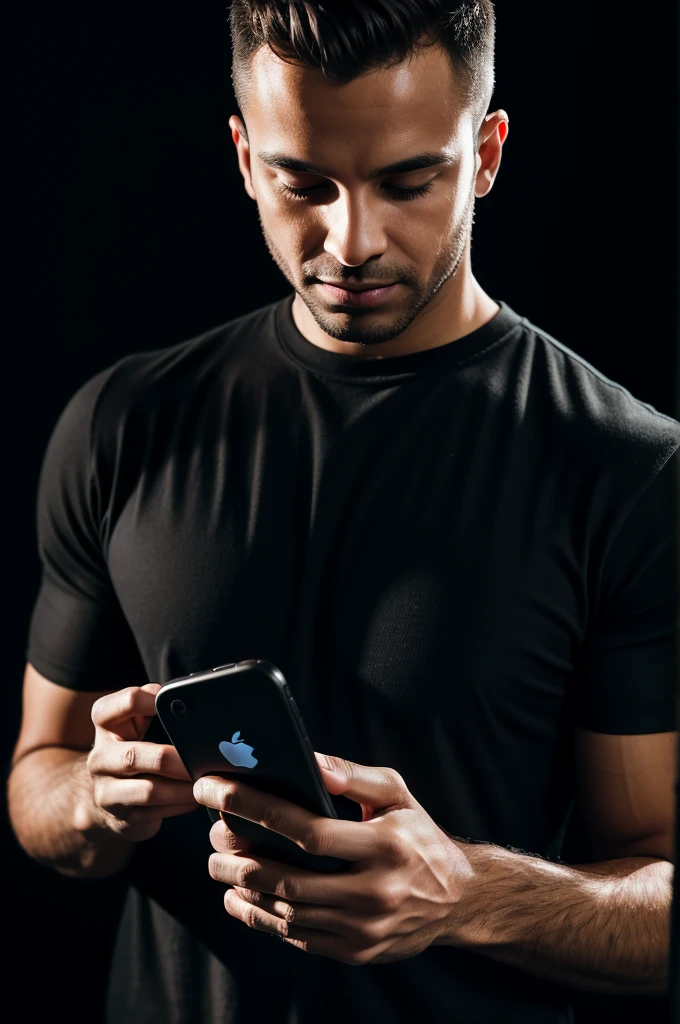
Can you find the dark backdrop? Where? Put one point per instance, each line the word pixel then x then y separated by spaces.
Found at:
pixel 130 230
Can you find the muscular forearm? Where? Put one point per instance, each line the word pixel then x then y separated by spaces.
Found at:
pixel 44 789
pixel 605 927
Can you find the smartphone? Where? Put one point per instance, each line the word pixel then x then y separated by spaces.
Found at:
pixel 240 721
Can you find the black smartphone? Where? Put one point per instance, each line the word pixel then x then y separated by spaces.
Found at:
pixel 240 721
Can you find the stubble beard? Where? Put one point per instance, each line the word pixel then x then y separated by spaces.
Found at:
pixel 351 327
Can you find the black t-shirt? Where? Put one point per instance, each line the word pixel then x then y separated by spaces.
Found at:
pixel 455 556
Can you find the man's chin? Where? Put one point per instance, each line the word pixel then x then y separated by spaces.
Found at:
pixel 352 334
pixel 352 326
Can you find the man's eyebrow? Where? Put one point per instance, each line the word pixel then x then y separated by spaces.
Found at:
pixel 412 163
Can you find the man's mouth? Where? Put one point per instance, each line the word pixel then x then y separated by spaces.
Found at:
pixel 358 295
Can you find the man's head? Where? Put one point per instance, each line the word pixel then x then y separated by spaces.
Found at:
pixel 333 92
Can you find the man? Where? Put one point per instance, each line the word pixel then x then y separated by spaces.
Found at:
pixel 451 533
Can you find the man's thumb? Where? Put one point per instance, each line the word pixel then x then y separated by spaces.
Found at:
pixel 377 788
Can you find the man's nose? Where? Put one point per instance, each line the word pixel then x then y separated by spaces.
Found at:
pixel 356 230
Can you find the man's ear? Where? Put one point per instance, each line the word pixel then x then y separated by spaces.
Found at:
pixel 492 135
pixel 240 137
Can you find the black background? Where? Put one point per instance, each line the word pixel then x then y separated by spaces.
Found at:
pixel 130 230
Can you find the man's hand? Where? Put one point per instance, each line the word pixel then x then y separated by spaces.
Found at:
pixel 134 784
pixel 392 902
pixel 409 886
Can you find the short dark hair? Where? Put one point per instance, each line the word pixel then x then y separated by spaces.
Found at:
pixel 345 38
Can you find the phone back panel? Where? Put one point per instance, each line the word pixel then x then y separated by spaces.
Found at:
pixel 241 722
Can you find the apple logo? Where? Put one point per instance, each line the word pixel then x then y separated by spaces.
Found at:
pixel 238 752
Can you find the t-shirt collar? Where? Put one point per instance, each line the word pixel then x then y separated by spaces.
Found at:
pixel 390 369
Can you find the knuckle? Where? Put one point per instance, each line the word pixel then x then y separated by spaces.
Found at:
pixel 402 836
pixel 128 699
pixel 393 841
pixel 319 840
pixel 144 792
pixel 272 818
pixel 390 847
pixel 393 777
pixel 390 897
pixel 130 757
pixel 251 896
pixel 375 931
pixel 161 760
pixel 250 916
pixel 99 710
pixel 214 866
pixel 287 888
pixel 247 874
pixel 156 759
pixel 373 899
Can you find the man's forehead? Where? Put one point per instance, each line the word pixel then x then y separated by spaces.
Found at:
pixel 422 86
pixel 383 115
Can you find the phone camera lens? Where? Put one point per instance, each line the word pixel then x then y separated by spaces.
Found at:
pixel 179 709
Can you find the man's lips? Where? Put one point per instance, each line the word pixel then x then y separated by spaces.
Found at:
pixel 367 297
pixel 364 286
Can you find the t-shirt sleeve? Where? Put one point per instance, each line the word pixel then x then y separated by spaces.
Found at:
pixel 628 665
pixel 78 636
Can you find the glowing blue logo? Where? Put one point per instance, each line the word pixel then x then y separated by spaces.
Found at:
pixel 237 752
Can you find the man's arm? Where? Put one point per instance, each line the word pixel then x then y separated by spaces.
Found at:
pixel 604 929
pixel 49 778
pixel 81 792
pixel 603 926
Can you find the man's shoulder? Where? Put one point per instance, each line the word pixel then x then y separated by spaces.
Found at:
pixel 599 417
pixel 144 381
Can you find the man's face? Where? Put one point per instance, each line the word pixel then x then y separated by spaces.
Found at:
pixel 352 227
